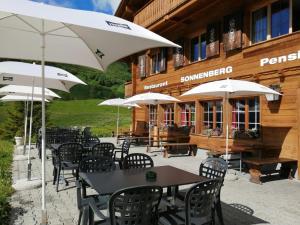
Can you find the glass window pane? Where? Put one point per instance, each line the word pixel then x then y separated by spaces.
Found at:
pixel 280 18
pixel 195 49
pixel 252 117
pixel 203 46
pixel 259 25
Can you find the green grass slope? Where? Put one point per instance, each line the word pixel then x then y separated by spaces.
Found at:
pixel 102 119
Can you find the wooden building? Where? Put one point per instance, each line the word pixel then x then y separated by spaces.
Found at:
pixel 254 40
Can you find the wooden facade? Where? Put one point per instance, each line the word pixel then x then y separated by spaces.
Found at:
pixel 230 53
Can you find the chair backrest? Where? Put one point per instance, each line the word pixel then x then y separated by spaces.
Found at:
pixel 104 149
pixel 93 164
pixel 90 141
pixel 199 202
pixel 137 160
pixel 135 205
pixel 125 148
pixel 70 152
pixel 213 168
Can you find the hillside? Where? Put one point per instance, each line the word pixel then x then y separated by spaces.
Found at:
pixel 102 119
pixel 101 85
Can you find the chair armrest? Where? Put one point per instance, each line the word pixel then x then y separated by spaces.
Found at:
pixel 96 210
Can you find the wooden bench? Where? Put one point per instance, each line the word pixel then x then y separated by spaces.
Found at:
pixel 179 148
pixel 256 167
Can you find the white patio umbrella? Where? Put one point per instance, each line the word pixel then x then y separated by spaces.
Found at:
pixel 150 98
pixel 119 102
pixel 28 74
pixel 20 98
pixel 29 92
pixel 229 89
pixel 35 31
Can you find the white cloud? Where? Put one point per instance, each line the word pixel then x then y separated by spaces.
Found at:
pixel 106 4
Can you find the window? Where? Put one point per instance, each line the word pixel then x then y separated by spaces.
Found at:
pixel 188 114
pixel 198 48
pixel 296 13
pixel 219 113
pixel 203 46
pixel 155 59
pixel 169 114
pixel 195 49
pixel 243 107
pixel 238 114
pixel 259 25
pixel 153 115
pixel 212 118
pixel 279 18
pixel 158 60
pixel 254 119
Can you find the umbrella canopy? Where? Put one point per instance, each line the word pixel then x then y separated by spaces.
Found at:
pixel 20 98
pixel 228 89
pixel 150 98
pixel 28 74
pixel 231 88
pixel 100 39
pixel 117 102
pixel 27 91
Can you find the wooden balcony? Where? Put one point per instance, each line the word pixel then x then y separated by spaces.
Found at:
pixel 128 89
pixel 156 10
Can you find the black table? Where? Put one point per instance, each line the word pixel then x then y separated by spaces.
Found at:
pixel 167 176
pixel 55 147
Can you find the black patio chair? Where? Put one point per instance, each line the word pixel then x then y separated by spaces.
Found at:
pixel 137 160
pixel 82 202
pixel 134 205
pixel 198 205
pixel 90 141
pixel 92 164
pixel 104 149
pixel 122 153
pixel 213 168
pixel 68 157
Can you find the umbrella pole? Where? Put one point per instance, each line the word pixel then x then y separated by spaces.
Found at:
pixel 30 133
pixel 227 124
pixel 44 220
pixel 149 128
pixel 25 125
pixel 118 118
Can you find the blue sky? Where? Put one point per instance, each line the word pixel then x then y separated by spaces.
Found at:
pixel 105 6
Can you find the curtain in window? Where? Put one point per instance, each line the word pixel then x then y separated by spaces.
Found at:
pixel 259 25
pixel 142 66
pixel 280 18
pixel 213 40
pixel 178 55
pixel 163 60
pixel 232 36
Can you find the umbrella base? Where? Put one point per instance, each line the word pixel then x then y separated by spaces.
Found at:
pixel 25 184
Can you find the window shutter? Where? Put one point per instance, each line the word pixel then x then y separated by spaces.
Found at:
pixel 232 36
pixel 213 40
pixel 142 66
pixel 163 60
pixel 178 55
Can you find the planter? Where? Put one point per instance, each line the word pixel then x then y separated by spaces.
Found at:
pixel 19 141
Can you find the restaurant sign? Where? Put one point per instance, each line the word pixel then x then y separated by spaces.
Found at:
pixel 207 74
pixel 152 86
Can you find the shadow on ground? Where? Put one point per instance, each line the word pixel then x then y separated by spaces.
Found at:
pixel 238 214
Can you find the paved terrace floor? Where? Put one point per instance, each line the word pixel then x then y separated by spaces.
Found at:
pixel 275 202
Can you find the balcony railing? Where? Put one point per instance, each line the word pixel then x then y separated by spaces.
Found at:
pixel 155 10
pixel 128 89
